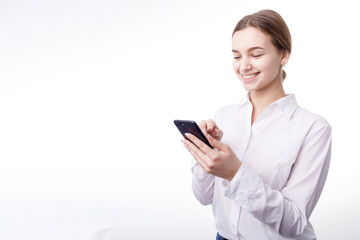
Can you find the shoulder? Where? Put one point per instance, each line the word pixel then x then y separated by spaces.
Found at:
pixel 230 108
pixel 306 116
pixel 228 111
pixel 312 123
pixel 234 108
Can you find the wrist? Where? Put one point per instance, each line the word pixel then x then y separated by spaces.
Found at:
pixel 235 170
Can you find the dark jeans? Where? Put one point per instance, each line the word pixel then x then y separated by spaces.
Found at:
pixel 218 237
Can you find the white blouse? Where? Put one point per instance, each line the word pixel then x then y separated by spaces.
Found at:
pixel 285 158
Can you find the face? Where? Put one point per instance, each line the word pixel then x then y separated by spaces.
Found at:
pixel 257 62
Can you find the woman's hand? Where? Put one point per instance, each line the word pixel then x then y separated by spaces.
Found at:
pixel 209 126
pixel 222 163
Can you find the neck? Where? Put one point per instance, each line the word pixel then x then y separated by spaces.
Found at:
pixel 262 98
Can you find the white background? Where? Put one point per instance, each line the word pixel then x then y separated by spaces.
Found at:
pixel 89 90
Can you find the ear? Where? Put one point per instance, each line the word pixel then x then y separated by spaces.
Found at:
pixel 285 57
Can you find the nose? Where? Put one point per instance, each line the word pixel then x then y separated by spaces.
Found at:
pixel 245 65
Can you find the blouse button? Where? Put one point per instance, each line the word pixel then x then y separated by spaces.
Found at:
pixel 225 183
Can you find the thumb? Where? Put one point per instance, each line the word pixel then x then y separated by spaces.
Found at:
pixel 216 143
pixel 218 133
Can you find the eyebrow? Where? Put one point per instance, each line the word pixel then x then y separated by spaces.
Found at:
pixel 250 49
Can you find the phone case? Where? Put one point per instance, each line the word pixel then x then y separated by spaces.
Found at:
pixel 187 126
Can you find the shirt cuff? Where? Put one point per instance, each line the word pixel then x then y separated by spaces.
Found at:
pixel 243 187
pixel 198 172
pixel 238 175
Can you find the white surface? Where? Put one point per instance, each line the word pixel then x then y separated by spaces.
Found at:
pixel 89 90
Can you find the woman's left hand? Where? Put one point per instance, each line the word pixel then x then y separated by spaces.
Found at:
pixel 222 163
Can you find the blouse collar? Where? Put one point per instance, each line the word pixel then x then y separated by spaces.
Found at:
pixel 287 104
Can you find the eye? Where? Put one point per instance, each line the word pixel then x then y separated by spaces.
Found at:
pixel 237 57
pixel 257 55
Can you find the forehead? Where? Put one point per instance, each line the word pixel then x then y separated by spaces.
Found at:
pixel 251 37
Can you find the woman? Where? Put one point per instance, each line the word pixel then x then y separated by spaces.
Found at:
pixel 272 157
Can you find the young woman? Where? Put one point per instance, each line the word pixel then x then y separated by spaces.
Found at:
pixel 272 156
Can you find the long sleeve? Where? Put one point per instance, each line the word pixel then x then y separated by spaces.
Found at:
pixel 202 184
pixel 287 210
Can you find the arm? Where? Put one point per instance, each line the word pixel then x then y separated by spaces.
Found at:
pixel 203 182
pixel 288 210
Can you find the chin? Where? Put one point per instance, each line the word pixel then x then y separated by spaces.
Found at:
pixel 250 87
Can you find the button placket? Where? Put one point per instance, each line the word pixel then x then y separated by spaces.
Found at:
pixel 234 218
pixel 246 140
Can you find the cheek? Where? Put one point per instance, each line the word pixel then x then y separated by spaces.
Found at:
pixel 269 67
pixel 236 66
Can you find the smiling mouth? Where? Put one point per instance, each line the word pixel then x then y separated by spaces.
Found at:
pixel 249 76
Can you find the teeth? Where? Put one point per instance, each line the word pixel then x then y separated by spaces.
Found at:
pixel 248 76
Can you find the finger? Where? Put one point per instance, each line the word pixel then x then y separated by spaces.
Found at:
pixel 210 125
pixel 203 126
pixel 216 143
pixel 200 144
pixel 198 155
pixel 199 161
pixel 202 162
pixel 217 133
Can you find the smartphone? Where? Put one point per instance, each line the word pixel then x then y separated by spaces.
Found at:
pixel 186 126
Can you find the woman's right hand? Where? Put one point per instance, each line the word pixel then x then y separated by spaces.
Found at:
pixel 210 127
